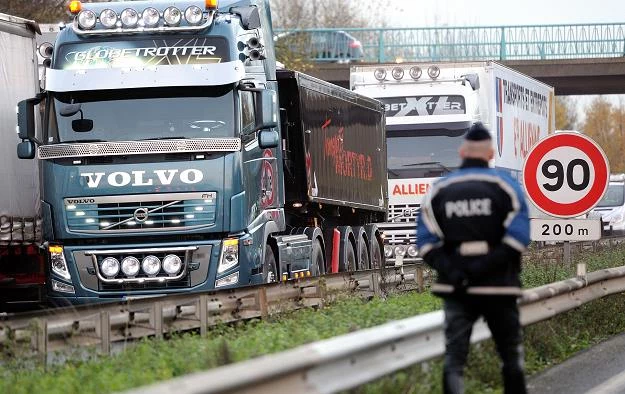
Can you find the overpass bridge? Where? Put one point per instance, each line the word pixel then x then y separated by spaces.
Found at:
pixel 574 58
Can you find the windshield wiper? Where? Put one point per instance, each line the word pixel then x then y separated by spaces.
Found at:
pixel 428 163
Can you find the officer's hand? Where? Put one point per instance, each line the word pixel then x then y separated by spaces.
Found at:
pixel 459 280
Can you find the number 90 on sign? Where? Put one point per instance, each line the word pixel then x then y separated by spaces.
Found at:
pixel 565 229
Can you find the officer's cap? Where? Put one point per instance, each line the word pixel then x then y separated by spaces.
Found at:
pixel 477 132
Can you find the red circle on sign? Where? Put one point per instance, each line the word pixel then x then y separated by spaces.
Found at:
pixel 599 163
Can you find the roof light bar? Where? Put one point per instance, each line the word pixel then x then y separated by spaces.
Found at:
pixel 150 19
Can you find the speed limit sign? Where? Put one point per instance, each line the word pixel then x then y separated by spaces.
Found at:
pixel 566 174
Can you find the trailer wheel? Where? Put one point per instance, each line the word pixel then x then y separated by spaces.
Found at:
pixel 363 253
pixel 350 257
pixel 376 254
pixel 270 273
pixel 317 260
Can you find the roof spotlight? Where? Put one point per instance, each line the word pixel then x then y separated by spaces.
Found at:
pixel 434 72
pixel 397 73
pixel 415 72
pixel 380 74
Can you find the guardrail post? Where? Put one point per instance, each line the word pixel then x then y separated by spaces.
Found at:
pixel 158 320
pixel 502 45
pixel 419 278
pixel 567 253
pixel 381 55
pixel 105 332
pixel 375 283
pixel 261 299
pixel 203 315
pixel 40 339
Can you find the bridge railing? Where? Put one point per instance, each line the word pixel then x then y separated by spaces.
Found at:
pixel 530 42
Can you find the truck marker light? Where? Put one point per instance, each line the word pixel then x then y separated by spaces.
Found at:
pixel 105 224
pixel 175 221
pixel 297 205
pixel 284 277
pixel 55 249
pixel 149 222
pixel 131 223
pixel 189 216
pixel 90 220
pixel 80 213
pixel 70 207
pixel 199 208
pixel 211 4
pixel 308 273
pixel 75 6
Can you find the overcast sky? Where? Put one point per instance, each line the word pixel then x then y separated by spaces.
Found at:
pixel 422 13
pixel 417 13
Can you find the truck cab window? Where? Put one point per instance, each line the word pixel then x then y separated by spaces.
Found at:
pixel 248 119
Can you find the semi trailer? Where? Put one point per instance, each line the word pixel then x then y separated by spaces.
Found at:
pixel 429 107
pixel 22 275
pixel 175 157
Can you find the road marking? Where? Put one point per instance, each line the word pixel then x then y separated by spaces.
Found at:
pixel 614 385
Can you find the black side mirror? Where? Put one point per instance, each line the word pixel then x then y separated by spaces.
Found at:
pixel 26 118
pixel 82 125
pixel 266 109
pixel 268 139
pixel 26 150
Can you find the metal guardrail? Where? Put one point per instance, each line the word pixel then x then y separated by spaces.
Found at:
pixel 444 43
pixel 350 360
pixel 102 325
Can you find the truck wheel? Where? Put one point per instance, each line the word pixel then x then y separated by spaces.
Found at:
pixel 270 274
pixel 376 254
pixel 350 258
pixel 317 260
pixel 363 254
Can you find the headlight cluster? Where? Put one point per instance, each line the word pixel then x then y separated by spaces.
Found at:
pixel 150 265
pixel 229 255
pixel 58 263
pixel 391 251
pixel 148 18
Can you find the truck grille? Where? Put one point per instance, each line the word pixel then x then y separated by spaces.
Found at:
pixel 401 227
pixel 154 212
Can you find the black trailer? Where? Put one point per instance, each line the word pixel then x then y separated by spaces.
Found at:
pixel 335 146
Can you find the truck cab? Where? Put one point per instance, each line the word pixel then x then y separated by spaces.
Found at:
pixel 163 155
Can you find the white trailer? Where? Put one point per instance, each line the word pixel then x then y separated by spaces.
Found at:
pixel 429 107
pixel 21 264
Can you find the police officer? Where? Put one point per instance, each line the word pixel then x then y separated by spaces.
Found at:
pixel 472 228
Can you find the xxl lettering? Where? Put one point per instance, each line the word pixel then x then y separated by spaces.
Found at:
pixel 412 104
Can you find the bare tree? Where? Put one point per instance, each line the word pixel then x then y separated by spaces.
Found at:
pixel 302 14
pixel 42 11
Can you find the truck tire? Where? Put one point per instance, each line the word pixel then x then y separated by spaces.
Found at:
pixel 363 253
pixel 270 273
pixel 317 261
pixel 376 254
pixel 350 257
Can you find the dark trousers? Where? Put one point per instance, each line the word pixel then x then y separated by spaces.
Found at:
pixel 502 316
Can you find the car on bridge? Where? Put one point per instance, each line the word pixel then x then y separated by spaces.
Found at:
pixel 322 46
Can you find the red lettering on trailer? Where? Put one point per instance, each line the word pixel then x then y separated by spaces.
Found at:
pixel 346 163
pixel 526 135
pixel 410 189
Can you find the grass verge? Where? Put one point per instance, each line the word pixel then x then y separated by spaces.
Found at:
pixel 154 360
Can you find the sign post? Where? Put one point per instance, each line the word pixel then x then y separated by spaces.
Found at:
pixel 565 175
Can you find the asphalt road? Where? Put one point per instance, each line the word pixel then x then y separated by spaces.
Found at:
pixel 598 370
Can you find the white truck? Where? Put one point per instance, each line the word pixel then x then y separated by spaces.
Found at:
pixel 429 107
pixel 22 274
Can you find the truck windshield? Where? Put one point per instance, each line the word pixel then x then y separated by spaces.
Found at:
pixel 613 196
pixel 417 153
pixel 140 114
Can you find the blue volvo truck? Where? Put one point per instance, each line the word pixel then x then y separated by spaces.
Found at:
pixel 175 157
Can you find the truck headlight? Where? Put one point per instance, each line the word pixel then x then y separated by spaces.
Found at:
pixel 413 251
pixel 229 255
pixel 58 263
pixel 110 267
pixel 400 250
pixel 151 265
pixel 172 264
pixel 388 251
pixel 130 266
pixel 86 19
pixel 108 18
pixel 172 16
pixel 193 15
pixel 62 287
pixel 129 17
